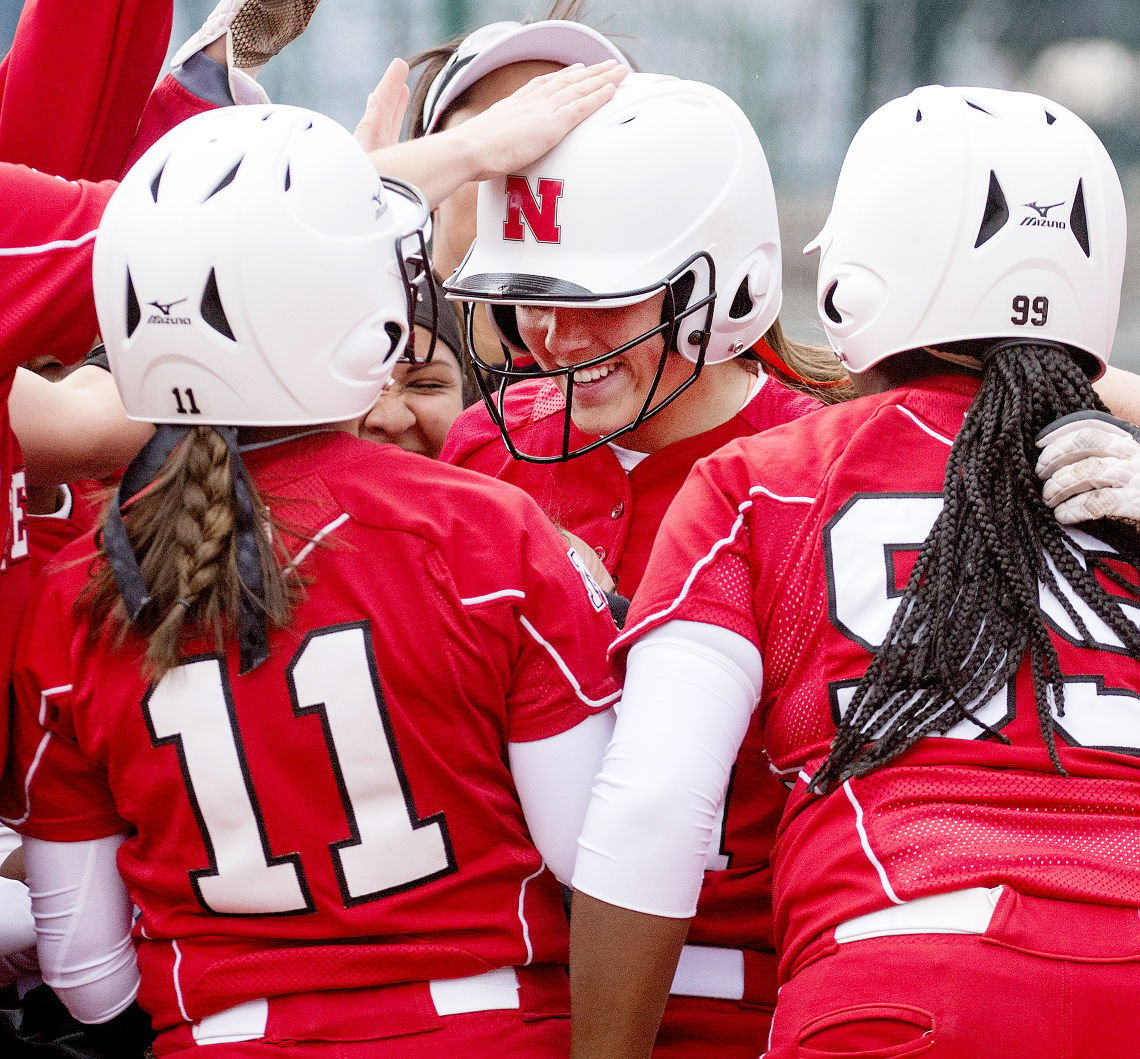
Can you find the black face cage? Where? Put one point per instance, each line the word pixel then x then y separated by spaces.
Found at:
pixel 493 379
pixel 415 272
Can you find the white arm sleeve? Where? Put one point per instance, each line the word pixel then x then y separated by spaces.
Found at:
pixel 83 925
pixel 553 777
pixel 689 694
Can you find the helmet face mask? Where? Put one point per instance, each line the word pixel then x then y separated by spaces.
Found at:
pixel 680 315
pixel 616 214
pixel 966 214
pixel 251 270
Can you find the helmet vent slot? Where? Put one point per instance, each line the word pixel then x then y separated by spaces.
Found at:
pixel 918 115
pixel 134 314
pixel 156 181
pixel 833 313
pixel 742 301
pixel 225 181
pixel 288 178
pixel 978 106
pixel 997 212
pixel 1050 118
pixel 212 311
pixel 1078 221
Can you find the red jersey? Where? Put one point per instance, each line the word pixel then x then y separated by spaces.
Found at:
pixel 801 540
pixel 616 513
pixel 83 72
pixel 112 53
pixel 343 815
pixel 620 514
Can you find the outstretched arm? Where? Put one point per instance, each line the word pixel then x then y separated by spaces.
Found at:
pixel 74 428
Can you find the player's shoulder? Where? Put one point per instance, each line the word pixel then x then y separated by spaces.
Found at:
pixel 796 456
pixel 385 486
pixel 776 404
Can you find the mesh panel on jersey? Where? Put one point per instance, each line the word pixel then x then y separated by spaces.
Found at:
pixel 548 401
pixel 937 828
pixel 726 584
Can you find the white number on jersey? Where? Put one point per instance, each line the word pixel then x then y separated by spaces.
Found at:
pixel 391 848
pixel 860 545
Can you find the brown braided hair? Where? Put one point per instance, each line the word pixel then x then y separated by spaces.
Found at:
pixel 971 611
pixel 182 529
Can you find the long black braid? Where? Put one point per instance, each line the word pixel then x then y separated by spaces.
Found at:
pixel 970 611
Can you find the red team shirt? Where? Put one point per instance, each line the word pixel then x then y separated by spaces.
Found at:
pixel 111 54
pixel 616 513
pixel 801 540
pixel 442 621
pixel 620 514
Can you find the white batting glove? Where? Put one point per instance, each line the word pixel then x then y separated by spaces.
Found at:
pixel 1090 464
pixel 255 31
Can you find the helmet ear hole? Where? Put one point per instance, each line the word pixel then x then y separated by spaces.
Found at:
pixel 742 301
pixel 506 324
pixel 829 308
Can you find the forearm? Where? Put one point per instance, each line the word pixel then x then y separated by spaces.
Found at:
pixel 1120 390
pixel 76 428
pixel 83 921
pixel 620 972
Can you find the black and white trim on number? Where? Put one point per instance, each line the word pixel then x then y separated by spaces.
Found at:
pixel 333 674
pixel 860 542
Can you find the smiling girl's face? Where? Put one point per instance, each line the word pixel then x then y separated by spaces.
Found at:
pixel 418 407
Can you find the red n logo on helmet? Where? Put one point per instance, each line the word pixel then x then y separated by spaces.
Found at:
pixel 541 216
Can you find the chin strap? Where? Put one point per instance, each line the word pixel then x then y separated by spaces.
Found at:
pixel 144 468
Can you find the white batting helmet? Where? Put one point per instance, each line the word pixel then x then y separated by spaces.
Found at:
pixel 250 270
pixel 971 213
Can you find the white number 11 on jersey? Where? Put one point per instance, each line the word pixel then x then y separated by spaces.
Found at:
pixel 390 849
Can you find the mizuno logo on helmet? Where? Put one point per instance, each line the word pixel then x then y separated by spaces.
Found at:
pixel 1041 220
pixel 164 308
pixel 541 214
pixel 381 202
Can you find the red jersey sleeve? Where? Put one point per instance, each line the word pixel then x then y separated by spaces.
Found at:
pixel 699 569
pixel 110 54
pixel 52 789
pixel 45 264
pixel 561 676
pixel 170 104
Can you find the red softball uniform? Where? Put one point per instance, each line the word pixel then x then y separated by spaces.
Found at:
pixel 620 513
pixel 342 816
pixel 85 126
pixel 616 513
pixel 801 540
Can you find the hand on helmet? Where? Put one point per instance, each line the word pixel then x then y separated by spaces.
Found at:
pixel 527 124
pixel 1090 464
pixel 384 112
pixel 248 34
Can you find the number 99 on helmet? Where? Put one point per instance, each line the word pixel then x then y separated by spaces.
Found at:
pixel 252 269
pixel 966 214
